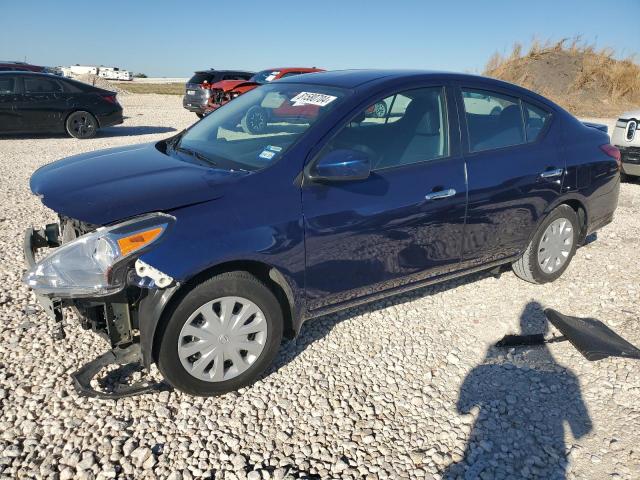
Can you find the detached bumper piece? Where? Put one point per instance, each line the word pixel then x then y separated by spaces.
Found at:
pixel 592 338
pixel 130 355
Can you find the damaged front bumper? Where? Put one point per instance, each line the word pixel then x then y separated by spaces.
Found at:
pixel 114 317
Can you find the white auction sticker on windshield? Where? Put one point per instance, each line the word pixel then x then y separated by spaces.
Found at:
pixel 310 98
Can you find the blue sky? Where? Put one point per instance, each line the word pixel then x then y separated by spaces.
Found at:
pixel 172 38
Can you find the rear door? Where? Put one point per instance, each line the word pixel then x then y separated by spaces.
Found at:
pixel 9 121
pixel 402 224
pixel 42 104
pixel 514 171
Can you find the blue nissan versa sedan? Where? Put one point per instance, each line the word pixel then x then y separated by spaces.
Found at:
pixel 201 251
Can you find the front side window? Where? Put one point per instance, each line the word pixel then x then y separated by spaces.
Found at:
pixel 256 129
pixel 402 129
pixel 493 120
pixel 41 85
pixel 7 85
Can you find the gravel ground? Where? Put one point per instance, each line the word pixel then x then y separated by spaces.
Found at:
pixel 410 387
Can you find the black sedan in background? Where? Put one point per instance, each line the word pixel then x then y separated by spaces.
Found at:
pixel 43 103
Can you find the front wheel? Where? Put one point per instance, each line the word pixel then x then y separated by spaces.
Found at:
pixel 81 125
pixel 551 249
pixel 200 115
pixel 222 335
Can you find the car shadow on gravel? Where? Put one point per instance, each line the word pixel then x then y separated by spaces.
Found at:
pixel 524 404
pixel 320 327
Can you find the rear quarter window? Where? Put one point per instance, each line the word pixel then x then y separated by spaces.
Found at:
pixel 536 120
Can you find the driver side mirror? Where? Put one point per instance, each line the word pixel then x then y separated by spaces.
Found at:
pixel 341 165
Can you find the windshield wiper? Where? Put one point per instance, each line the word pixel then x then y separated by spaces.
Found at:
pixel 195 154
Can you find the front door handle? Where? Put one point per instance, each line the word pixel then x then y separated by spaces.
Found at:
pixel 448 192
pixel 552 173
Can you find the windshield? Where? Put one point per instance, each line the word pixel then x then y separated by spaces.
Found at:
pixel 256 129
pixel 265 76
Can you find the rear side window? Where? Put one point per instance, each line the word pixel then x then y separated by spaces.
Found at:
pixel 7 85
pixel 535 119
pixel 493 120
pixel 41 85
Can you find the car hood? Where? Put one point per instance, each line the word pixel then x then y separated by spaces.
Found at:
pixel 114 184
pixel 228 85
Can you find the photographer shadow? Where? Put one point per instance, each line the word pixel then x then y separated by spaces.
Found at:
pixel 520 428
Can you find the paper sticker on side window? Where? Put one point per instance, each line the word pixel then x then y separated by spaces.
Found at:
pixel 309 98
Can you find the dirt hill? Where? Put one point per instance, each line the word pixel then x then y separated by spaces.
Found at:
pixel 585 81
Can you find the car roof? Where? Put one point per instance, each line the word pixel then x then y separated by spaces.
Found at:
pixel 29 72
pixel 352 79
pixel 292 69
pixel 213 71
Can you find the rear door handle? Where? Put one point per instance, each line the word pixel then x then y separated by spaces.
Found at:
pixel 552 173
pixel 448 192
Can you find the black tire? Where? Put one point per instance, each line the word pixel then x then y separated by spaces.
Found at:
pixel 200 115
pixel 255 120
pixel 226 284
pixel 81 125
pixel 527 266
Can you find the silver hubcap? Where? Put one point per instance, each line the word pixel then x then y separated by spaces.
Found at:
pixel 555 245
pixel 222 339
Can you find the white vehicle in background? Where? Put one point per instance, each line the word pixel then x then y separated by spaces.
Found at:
pixel 108 73
pixel 114 73
pixel 627 138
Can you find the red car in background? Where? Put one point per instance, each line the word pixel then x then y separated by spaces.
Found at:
pixel 11 66
pixel 226 90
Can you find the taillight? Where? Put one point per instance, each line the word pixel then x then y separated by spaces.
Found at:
pixel 613 152
pixel 110 98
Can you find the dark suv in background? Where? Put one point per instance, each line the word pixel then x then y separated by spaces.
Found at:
pixel 197 91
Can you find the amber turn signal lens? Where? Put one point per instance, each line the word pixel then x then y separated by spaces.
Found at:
pixel 138 240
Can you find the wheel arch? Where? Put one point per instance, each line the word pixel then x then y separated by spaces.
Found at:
pixel 155 308
pixel 581 211
pixel 577 204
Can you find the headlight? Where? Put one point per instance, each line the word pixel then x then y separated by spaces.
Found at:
pixel 95 264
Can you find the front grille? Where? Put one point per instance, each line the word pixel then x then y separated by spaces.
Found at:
pixel 630 155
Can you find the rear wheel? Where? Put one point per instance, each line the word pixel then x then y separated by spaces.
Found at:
pixel 200 115
pixel 222 335
pixel 81 124
pixel 551 249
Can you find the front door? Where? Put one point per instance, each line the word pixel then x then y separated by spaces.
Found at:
pixel 402 224
pixel 514 172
